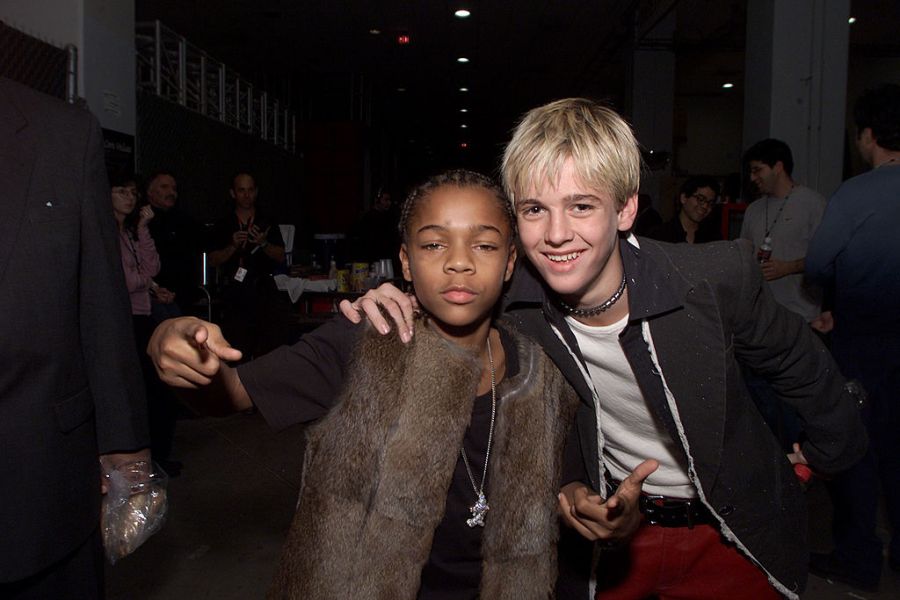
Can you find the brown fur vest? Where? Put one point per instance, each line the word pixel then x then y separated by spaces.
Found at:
pixel 378 467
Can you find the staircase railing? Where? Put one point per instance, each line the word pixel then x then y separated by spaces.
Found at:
pixel 173 68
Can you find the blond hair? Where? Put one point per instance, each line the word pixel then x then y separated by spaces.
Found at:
pixel 599 141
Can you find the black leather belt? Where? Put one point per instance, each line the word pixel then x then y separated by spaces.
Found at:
pixel 674 512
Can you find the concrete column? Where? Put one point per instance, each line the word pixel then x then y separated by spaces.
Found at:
pixel 653 98
pixel 103 32
pixel 795 83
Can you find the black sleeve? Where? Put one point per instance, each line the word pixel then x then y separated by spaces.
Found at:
pixel 300 383
pixel 780 346
pixel 219 235
pixel 274 236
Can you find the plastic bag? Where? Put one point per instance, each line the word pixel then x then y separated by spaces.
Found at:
pixel 134 508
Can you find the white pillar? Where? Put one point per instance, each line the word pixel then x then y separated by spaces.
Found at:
pixel 795 83
pixel 653 98
pixel 103 32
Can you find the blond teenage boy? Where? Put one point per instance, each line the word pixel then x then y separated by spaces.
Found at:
pixel 650 335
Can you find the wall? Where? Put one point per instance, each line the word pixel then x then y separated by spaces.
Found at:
pixel 108 63
pixel 103 33
pixel 204 155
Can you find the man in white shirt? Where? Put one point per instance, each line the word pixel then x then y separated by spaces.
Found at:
pixel 787 214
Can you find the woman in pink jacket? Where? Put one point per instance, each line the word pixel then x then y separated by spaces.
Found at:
pixel 139 258
pixel 140 262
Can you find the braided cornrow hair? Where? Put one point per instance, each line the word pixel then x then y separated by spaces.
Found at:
pixel 460 178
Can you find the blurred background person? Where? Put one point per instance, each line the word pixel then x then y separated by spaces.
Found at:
pixel 857 250
pixel 179 242
pixel 247 247
pixel 140 262
pixel 692 224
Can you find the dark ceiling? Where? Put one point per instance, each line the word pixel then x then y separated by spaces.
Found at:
pixel 323 57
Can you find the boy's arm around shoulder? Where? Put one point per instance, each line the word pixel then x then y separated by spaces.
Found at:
pixel 780 346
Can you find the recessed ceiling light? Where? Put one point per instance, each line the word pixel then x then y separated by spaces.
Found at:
pixel 462 13
pixel 728 86
pixel 401 89
pixel 462 59
pixel 851 20
pixel 464 110
pixel 464 89
pixel 375 31
pixel 463 126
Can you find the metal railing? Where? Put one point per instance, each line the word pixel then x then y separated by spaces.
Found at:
pixel 173 68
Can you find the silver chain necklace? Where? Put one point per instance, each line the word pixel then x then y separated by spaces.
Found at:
pixel 596 310
pixel 480 508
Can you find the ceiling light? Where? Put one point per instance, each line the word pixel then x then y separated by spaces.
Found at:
pixel 463 126
pixel 375 31
pixel 728 85
pixel 464 89
pixel 851 20
pixel 462 13
pixel 464 110
pixel 401 89
pixel 462 59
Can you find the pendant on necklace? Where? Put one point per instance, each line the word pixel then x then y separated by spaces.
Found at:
pixel 478 510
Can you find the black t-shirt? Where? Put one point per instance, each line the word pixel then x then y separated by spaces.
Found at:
pixel 250 256
pixel 300 383
pixel 672 231
pixel 453 569
pixel 179 242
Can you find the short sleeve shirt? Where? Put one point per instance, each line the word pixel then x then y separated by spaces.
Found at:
pixel 791 223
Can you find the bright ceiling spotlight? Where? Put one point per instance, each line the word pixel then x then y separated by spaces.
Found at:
pixel 462 13
pixel 464 89
pixel 462 59
pixel 851 20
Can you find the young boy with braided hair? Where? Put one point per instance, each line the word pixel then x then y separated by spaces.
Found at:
pixel 435 467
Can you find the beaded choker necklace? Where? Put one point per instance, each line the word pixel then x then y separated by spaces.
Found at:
pixel 596 310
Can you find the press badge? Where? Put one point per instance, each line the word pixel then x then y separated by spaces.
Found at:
pixel 240 274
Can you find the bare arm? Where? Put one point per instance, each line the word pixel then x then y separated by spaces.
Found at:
pixel 776 269
pixel 260 237
pixel 223 255
pixel 190 355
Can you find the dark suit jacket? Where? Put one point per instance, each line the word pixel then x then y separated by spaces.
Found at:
pixel 70 384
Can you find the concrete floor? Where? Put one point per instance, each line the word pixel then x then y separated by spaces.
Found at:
pixel 231 506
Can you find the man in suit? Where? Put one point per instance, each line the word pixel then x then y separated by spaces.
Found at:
pixel 68 393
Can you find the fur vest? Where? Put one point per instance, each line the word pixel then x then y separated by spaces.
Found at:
pixel 377 469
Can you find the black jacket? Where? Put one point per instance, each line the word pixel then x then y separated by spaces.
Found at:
pixel 68 387
pixel 706 309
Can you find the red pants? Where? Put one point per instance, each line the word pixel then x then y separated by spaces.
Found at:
pixel 677 563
